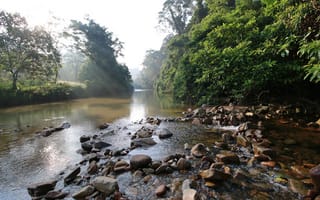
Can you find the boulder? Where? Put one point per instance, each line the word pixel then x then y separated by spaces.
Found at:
pixel 121 166
pixel 228 157
pixel 87 146
pixel 84 138
pixel 105 184
pixel 143 142
pixel 164 133
pixel 214 175
pixel 41 189
pixel 72 175
pixel 161 190
pixel 189 194
pixel 183 164
pixel 140 161
pixel 101 145
pixel 84 192
pixel 199 150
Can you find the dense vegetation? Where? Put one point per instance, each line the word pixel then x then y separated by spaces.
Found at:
pixel 243 50
pixel 31 60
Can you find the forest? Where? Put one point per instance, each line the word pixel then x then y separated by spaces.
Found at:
pixel 33 61
pixel 240 51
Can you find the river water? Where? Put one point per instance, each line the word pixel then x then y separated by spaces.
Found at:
pixel 27 158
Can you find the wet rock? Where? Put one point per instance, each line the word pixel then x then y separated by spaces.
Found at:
pixel 84 192
pixel 271 164
pixel 72 175
pixel 300 170
pixel 87 146
pixel 103 126
pixel 143 133
pixel 163 168
pixel 121 166
pixel 186 146
pixel 214 175
pixel 140 161
pixel 183 164
pixel 258 150
pixel 228 157
pixel 242 141
pixel 315 176
pixel 143 142
pixel 298 187
pixel 164 133
pixel 199 150
pixel 161 190
pixel 84 138
pixel 101 145
pixel 105 184
pixel 41 189
pixel 52 195
pixel 93 167
pixel 189 194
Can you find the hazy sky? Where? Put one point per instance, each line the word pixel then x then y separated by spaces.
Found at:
pixel 133 22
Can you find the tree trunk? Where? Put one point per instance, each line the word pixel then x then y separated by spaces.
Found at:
pixel 14 80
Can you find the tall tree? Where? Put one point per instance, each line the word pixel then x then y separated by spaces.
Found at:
pixel 26 51
pixel 102 71
pixel 176 14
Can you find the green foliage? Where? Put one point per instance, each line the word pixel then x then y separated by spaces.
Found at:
pixel 26 52
pixel 102 72
pixel 241 49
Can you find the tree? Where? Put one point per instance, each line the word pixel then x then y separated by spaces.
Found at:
pixel 26 51
pixel 105 76
pixel 176 14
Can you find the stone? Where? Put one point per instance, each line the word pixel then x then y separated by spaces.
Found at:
pixel 140 161
pixel 84 192
pixel 105 184
pixel 228 157
pixel 41 189
pixel 298 187
pixel 72 175
pixel 183 164
pixel 121 166
pixel 87 146
pixel 318 121
pixel 143 133
pixel 189 194
pixel 163 168
pixel 101 145
pixel 315 176
pixel 52 195
pixel 258 150
pixel 142 142
pixel 300 170
pixel 164 133
pixel 186 146
pixel 214 175
pixel 271 164
pixel 161 190
pixel 242 141
pixel 93 167
pixel 199 150
pixel 84 138
pixel 103 126
pixel 196 121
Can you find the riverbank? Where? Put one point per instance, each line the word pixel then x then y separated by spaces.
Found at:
pixel 228 154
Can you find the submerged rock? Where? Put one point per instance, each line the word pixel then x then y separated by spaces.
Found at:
pixel 143 142
pixel 84 192
pixel 164 133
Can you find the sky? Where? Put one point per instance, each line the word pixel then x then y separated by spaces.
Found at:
pixel 133 22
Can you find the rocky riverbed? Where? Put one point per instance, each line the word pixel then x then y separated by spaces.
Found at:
pixel 212 152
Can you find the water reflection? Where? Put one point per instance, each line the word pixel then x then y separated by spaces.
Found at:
pixel 27 158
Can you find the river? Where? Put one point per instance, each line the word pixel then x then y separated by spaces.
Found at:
pixel 27 158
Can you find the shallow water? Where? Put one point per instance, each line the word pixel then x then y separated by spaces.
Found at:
pixel 27 158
